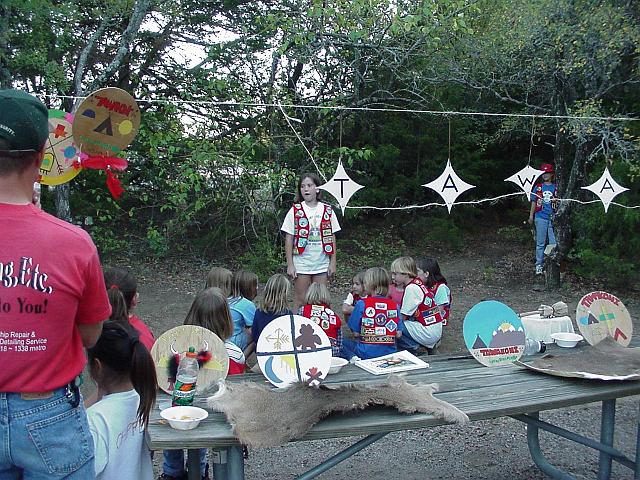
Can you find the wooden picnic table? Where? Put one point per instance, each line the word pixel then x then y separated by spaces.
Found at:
pixel 481 392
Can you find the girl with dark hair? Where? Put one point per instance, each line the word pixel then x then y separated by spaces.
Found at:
pixel 429 272
pixel 123 281
pixel 244 288
pixel 125 375
pixel 310 246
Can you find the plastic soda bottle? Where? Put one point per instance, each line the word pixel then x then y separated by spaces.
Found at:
pixel 184 389
pixel 531 347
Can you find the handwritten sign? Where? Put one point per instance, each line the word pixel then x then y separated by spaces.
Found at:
pixel 106 122
pixel 600 315
pixel 493 333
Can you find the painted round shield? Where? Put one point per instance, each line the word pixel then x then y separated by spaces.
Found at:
pixel 292 349
pixel 106 122
pixel 179 340
pixel 61 152
pixel 493 333
pixel 600 315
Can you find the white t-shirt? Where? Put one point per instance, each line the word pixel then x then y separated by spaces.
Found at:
pixel 120 447
pixel 313 260
pixel 427 336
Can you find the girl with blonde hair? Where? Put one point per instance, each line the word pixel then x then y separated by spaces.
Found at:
pixel 375 319
pixel 274 304
pixel 317 308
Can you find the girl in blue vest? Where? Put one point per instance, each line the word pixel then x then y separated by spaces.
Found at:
pixel 543 203
pixel 375 319
pixel 310 245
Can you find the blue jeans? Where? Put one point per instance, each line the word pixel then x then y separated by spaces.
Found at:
pixel 44 438
pixel 544 230
pixel 174 462
pixel 406 342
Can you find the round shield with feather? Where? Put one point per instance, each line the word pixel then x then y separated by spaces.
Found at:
pixel 174 343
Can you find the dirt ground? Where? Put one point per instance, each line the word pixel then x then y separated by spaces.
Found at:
pixel 487 268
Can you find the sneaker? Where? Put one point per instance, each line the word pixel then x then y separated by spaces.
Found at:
pixel 539 270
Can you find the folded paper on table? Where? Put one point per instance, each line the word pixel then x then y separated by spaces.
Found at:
pixel 392 363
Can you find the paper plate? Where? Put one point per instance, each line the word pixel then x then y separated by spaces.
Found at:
pixel 493 333
pixel 106 122
pixel 180 339
pixel 292 349
pixel 61 151
pixel 600 315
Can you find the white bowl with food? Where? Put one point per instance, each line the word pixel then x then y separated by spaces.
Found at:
pixel 336 364
pixel 184 417
pixel 566 339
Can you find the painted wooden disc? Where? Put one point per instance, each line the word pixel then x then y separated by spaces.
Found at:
pixel 106 122
pixel 61 152
pixel 292 349
pixel 600 315
pixel 180 339
pixel 493 333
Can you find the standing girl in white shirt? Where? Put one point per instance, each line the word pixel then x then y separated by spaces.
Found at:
pixel 310 244
pixel 125 375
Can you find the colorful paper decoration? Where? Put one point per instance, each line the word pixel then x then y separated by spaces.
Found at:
pixel 606 188
pixel 179 339
pixel 61 152
pixel 449 185
pixel 493 333
pixel 106 122
pixel 600 315
pixel 525 179
pixel 293 348
pixel 341 186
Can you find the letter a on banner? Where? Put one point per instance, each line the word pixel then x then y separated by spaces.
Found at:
pixel 449 185
pixel 606 188
pixel 525 178
pixel 341 186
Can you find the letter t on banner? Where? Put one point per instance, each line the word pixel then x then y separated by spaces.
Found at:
pixel 341 186
pixel 449 185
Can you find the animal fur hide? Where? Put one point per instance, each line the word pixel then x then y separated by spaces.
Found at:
pixel 266 417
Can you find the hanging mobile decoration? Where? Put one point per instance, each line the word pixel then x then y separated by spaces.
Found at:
pixel 341 186
pixel 449 185
pixel 105 123
pixel 61 152
pixel 525 178
pixel 606 188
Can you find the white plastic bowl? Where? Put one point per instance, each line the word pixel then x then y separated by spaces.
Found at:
pixel 566 339
pixel 184 418
pixel 336 364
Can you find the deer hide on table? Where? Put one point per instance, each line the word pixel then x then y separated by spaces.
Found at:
pixel 266 417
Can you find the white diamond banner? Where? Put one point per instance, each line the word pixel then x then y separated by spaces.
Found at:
pixel 449 185
pixel 341 186
pixel 525 179
pixel 606 188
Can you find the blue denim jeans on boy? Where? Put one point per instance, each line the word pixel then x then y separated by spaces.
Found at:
pixel 45 438
pixel 544 231
pixel 174 462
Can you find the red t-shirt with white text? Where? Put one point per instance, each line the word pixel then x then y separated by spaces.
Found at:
pixel 50 281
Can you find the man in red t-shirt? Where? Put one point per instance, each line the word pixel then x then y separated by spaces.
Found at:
pixel 52 304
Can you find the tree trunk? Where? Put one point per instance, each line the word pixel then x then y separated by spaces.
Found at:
pixel 61 198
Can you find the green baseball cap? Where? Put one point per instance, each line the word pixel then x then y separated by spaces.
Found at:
pixel 23 121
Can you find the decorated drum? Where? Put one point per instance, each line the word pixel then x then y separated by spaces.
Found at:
pixel 600 315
